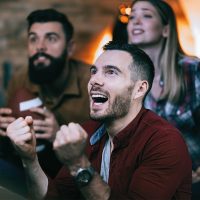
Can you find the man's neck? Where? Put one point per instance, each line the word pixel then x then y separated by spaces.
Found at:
pixel 116 126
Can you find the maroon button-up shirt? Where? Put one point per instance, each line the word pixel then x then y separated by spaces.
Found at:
pixel 149 161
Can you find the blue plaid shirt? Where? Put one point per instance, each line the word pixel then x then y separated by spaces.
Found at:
pixel 181 115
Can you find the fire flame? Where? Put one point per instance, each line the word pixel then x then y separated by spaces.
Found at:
pixel 106 37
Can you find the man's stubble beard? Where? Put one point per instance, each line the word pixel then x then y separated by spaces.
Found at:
pixel 119 109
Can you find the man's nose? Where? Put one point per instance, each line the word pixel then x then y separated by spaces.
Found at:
pixel 96 79
pixel 41 46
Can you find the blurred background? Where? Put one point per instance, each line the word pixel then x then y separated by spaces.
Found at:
pixel 95 23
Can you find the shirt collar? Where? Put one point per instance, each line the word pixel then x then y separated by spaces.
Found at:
pixel 122 138
pixel 99 133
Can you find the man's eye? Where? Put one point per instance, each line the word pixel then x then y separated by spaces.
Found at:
pixel 93 70
pixel 52 39
pixel 111 71
pixel 32 39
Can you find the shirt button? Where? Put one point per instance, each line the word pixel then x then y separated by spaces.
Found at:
pixel 178 112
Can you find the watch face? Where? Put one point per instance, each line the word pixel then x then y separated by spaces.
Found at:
pixel 84 176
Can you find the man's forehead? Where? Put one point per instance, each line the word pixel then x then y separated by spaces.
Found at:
pixel 45 26
pixel 114 57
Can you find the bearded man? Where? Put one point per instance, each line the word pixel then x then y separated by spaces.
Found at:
pixel 58 80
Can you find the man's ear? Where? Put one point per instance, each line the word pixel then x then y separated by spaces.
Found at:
pixel 140 89
pixel 165 32
pixel 71 46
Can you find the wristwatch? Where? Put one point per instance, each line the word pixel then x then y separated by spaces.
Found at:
pixel 84 176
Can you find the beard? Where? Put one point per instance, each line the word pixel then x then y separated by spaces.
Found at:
pixel 119 108
pixel 42 74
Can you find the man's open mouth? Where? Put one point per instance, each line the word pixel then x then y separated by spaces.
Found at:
pixel 99 98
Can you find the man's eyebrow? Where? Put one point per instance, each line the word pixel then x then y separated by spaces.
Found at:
pixel 48 34
pixel 52 33
pixel 31 33
pixel 92 66
pixel 105 67
pixel 112 67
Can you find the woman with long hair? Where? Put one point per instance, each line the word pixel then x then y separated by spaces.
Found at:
pixel 175 94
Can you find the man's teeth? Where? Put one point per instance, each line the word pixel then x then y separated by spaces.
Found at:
pixel 41 57
pixel 98 96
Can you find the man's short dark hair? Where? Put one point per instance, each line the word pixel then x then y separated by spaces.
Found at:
pixel 51 15
pixel 142 68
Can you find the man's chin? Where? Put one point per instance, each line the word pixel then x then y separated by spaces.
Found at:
pixel 94 117
pixel 98 117
pixel 41 65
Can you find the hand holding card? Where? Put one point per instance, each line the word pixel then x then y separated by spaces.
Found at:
pixel 21 103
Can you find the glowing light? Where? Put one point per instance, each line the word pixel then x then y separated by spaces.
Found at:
pixel 189 34
pixel 106 37
pixel 123 19
pixel 123 10
pixel 128 11
pixel 197 41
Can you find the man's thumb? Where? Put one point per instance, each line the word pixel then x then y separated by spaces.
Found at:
pixel 29 120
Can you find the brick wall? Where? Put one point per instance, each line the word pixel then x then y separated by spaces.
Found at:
pixel 89 17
